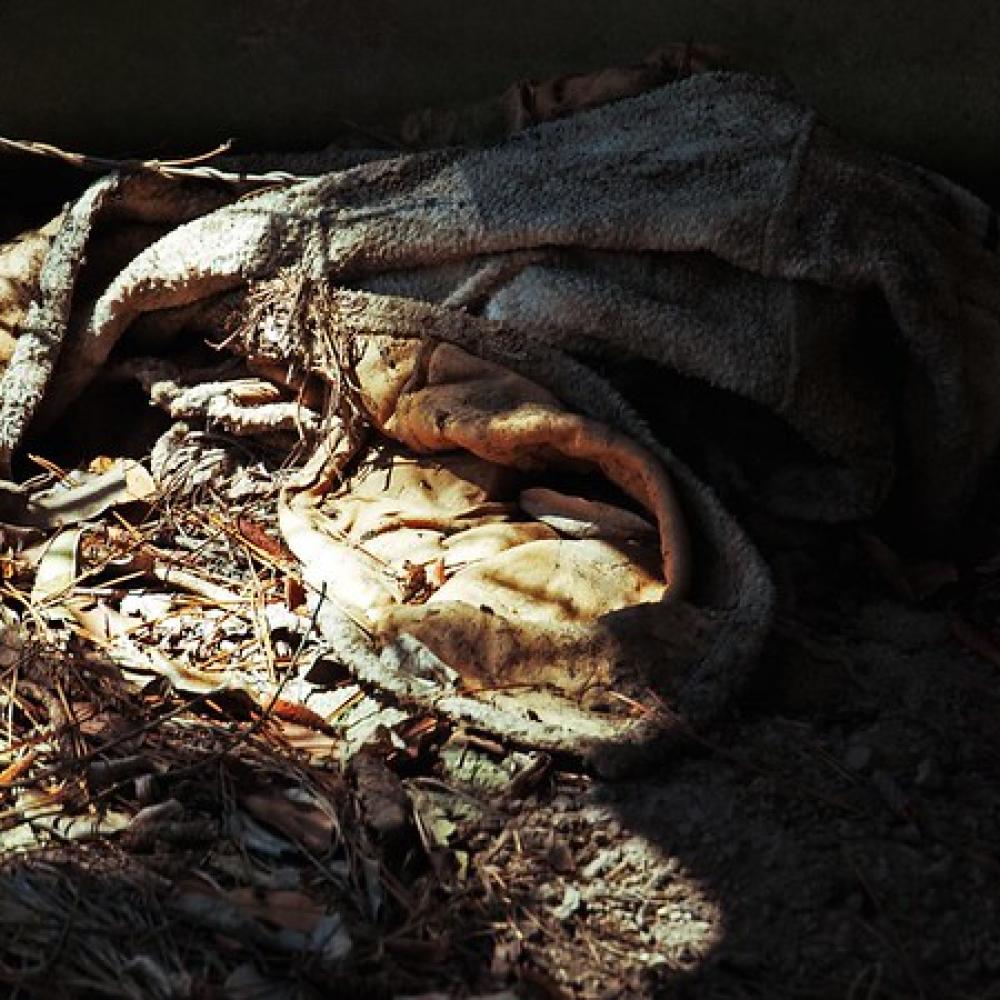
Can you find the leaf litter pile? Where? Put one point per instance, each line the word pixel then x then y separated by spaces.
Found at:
pixel 201 803
pixel 201 800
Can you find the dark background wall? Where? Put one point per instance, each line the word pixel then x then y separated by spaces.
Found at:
pixel 919 77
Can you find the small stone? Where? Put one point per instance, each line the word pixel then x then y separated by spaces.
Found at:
pixel 571 902
pixel 930 776
pixel 858 757
pixel 603 862
pixel 893 796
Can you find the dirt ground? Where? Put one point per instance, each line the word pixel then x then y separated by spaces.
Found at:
pixel 835 836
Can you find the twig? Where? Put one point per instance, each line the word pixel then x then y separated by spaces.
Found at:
pixel 186 580
pixel 192 166
pixel 57 769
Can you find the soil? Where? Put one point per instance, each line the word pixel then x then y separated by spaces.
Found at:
pixel 835 836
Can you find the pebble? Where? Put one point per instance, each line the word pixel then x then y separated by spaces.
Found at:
pixel 930 775
pixel 603 862
pixel 571 902
pixel 858 757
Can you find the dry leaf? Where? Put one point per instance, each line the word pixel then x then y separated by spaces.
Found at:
pixel 280 907
pixel 976 639
pixel 260 538
pixel 58 568
pixel 303 824
pixel 83 496
pixel 110 630
pixel 291 711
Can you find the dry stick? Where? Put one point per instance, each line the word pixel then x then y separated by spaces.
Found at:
pixel 190 167
pixel 260 626
pixel 49 466
pixel 71 723
pixel 32 719
pixel 164 568
pixel 275 562
pixel 17 812
pixel 56 769
pixel 195 584
pixel 102 164
pixel 12 692
pixel 96 797
pixel 167 568
pixel 14 771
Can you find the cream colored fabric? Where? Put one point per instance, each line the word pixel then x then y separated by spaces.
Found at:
pixel 826 319
pixel 432 532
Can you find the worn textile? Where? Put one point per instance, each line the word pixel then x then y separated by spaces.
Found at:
pixel 714 227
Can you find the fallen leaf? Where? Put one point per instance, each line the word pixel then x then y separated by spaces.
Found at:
pixel 295 592
pixel 110 630
pixel 976 639
pixel 261 538
pixel 280 907
pixel 84 496
pixel 291 711
pixel 58 568
pixel 303 824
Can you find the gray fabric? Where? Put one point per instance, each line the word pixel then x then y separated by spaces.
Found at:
pixel 714 227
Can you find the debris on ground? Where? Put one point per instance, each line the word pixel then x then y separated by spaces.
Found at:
pixel 316 656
